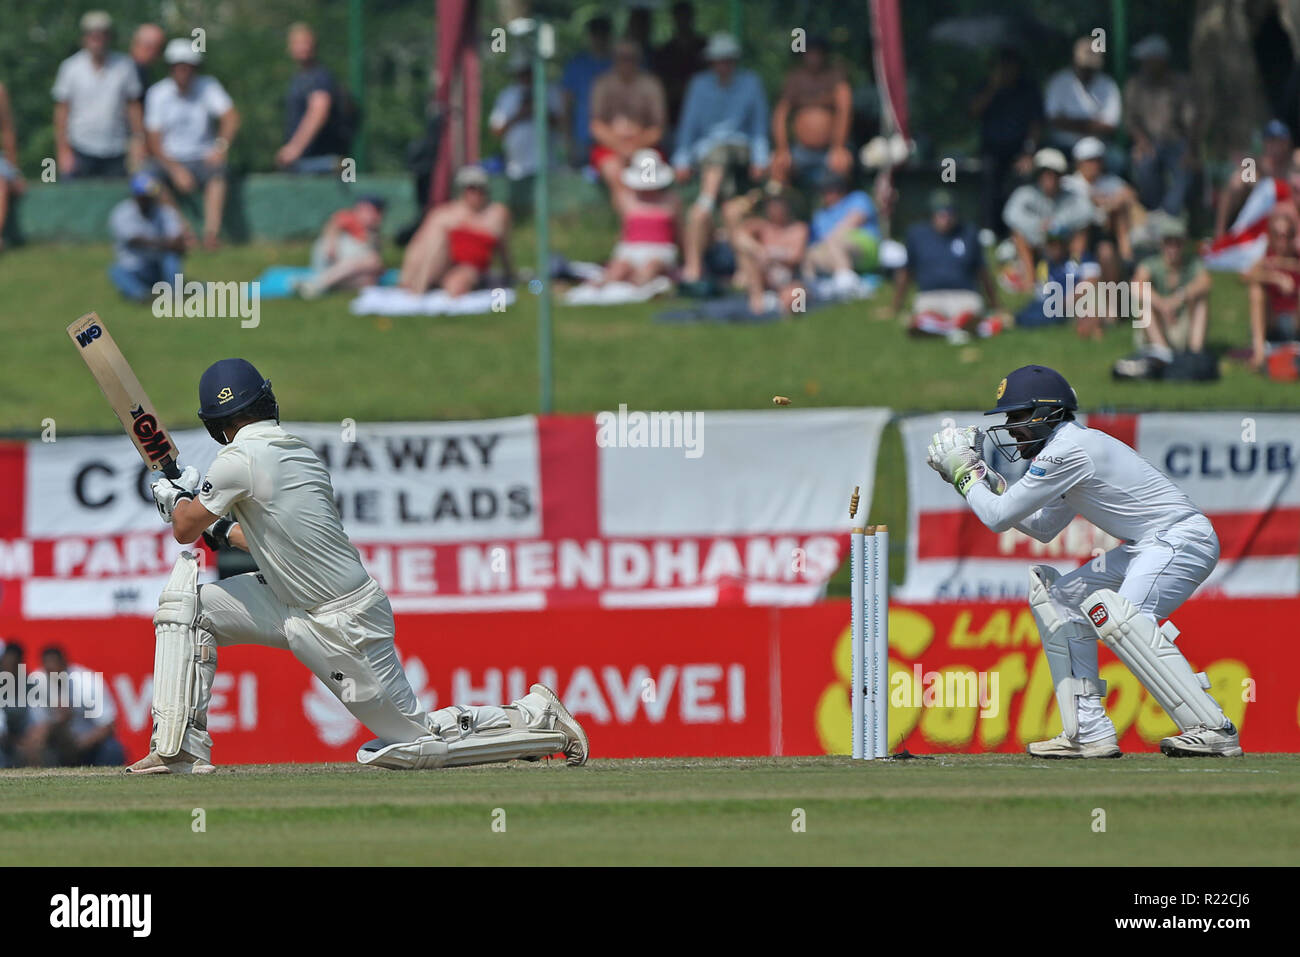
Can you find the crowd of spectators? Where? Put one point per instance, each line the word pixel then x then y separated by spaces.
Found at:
pixel 720 192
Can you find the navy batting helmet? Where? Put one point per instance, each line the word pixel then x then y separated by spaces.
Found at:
pixel 1036 400
pixel 231 388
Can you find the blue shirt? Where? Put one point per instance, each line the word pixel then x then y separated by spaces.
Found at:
pixel 943 261
pixel 576 80
pixel 713 115
pixel 827 218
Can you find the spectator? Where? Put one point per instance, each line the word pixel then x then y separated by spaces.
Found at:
pixel 1275 292
pixel 179 115
pixel 1180 299
pixel 146 50
pixel 96 104
pixel 946 260
pixel 347 253
pixel 640 25
pixel 769 252
pixel 817 103
pixel 649 209
pixel 11 180
pixel 679 59
pixel 512 121
pixel 1112 202
pixel 577 83
pixel 1083 101
pixel 1063 278
pixel 723 132
pixel 1274 164
pixel 1160 116
pixel 148 240
pixel 15 718
pixel 1010 114
pixel 81 733
pixel 454 246
pixel 316 129
pixel 845 234
pixel 1036 207
pixel 627 114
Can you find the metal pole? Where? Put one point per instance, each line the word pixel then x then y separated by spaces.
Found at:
pixel 357 74
pixel 541 217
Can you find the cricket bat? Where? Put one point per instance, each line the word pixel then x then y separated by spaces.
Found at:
pixel 124 393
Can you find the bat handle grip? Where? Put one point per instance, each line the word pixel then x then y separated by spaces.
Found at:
pixel 170 469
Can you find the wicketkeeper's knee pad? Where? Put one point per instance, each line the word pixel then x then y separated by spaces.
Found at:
pixel 1056 631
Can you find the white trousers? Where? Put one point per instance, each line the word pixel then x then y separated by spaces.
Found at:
pixel 348 645
pixel 1156 574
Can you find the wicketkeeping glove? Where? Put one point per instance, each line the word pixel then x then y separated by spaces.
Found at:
pixel 167 492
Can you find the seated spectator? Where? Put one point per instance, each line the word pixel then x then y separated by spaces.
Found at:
pixel 11 180
pixel 769 251
pixel 316 134
pixel 179 115
pixel 723 135
pixel 1010 114
pixel 145 50
pixel 817 105
pixel 649 210
pixel 845 234
pixel 679 58
pixel 577 83
pixel 454 246
pixel 1275 292
pixel 1062 279
pixel 627 114
pixel 1036 207
pixel 1180 300
pixel 1160 116
pixel 81 734
pixel 15 718
pixel 148 240
pixel 640 25
pixel 96 105
pixel 946 260
pixel 346 255
pixel 1083 101
pixel 1234 211
pixel 1113 201
pixel 511 120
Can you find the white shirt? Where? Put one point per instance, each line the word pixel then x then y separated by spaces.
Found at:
pixel 126 222
pixel 185 120
pixel 280 493
pixel 1084 472
pixel 520 141
pixel 97 99
pixel 1068 98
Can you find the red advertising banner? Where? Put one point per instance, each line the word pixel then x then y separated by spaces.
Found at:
pixel 965 677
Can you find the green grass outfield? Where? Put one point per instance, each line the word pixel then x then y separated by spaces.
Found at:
pixel 990 809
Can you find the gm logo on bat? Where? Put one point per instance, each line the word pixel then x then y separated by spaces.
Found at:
pixel 1098 614
pixel 152 439
pixel 89 335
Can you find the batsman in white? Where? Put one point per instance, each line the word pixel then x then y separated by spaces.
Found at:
pixel 268 492
pixel 1168 548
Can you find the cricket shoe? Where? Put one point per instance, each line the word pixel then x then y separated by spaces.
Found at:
pixel 576 748
pixel 1062 747
pixel 1204 743
pixel 182 763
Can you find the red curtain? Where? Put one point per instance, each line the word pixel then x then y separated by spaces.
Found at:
pixel 890 68
pixel 457 91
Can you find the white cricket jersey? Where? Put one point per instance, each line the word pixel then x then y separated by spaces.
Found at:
pixel 1085 472
pixel 280 493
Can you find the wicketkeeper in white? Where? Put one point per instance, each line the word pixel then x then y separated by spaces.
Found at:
pixel 268 492
pixel 1168 548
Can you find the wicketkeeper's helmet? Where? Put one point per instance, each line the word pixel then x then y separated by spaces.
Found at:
pixel 1045 395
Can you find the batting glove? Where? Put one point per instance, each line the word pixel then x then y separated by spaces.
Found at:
pixel 167 492
pixel 217 536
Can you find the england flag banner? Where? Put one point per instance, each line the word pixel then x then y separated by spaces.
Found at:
pixel 622 508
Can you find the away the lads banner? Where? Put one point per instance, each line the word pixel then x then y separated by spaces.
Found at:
pixel 622 508
pixel 1239 467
